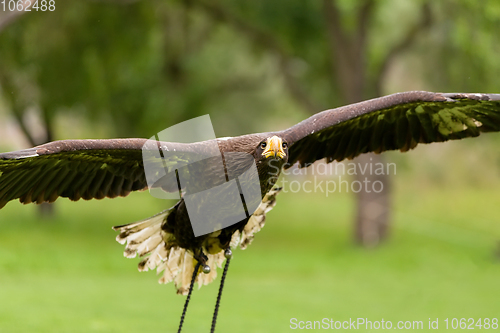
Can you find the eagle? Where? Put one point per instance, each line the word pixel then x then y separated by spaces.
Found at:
pixel 97 169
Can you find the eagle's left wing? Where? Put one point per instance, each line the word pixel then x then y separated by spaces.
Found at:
pixel 398 121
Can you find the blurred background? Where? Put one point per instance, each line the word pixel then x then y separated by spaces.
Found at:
pixel 126 68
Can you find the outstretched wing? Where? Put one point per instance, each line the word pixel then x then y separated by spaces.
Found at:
pixel 73 169
pixel 88 169
pixel 398 121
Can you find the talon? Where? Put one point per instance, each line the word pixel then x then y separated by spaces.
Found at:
pixel 202 259
pixel 228 253
pixel 206 269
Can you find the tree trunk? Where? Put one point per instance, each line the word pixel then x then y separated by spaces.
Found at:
pixel 373 204
pixel 349 68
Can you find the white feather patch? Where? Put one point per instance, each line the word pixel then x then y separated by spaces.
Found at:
pixel 177 264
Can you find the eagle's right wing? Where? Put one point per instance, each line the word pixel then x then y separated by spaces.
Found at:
pixel 87 169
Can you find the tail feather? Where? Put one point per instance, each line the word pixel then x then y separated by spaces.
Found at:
pixel 136 231
pixel 168 273
pixel 174 261
pixel 149 245
pixel 183 279
pixel 157 257
pixel 258 219
pixel 175 264
pixel 158 254
pixel 144 234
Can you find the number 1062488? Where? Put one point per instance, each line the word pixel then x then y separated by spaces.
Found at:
pixel 28 5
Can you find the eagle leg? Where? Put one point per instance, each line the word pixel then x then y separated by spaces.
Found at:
pixel 202 259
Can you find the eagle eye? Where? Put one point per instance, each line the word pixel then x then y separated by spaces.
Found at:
pixel 284 145
pixel 263 145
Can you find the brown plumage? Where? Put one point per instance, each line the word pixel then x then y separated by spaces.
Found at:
pixel 87 169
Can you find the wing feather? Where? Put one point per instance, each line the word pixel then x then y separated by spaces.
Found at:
pixel 402 132
pixel 75 169
pixel 51 189
pixel 399 121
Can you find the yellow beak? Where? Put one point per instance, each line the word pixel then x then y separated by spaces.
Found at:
pixel 274 148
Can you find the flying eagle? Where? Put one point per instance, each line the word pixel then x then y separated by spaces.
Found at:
pixel 95 169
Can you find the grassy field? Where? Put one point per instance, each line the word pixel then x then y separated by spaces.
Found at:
pixel 69 275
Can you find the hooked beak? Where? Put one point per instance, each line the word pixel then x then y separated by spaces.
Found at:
pixel 274 148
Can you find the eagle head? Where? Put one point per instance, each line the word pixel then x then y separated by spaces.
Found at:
pixel 271 155
pixel 273 147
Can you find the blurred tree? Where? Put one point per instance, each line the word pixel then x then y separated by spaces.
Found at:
pixel 137 67
pixel 467 46
pixel 141 66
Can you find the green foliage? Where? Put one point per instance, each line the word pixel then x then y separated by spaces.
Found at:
pixel 141 67
pixel 461 53
pixel 145 65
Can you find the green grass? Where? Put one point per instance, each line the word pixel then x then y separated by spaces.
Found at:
pixel 69 275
